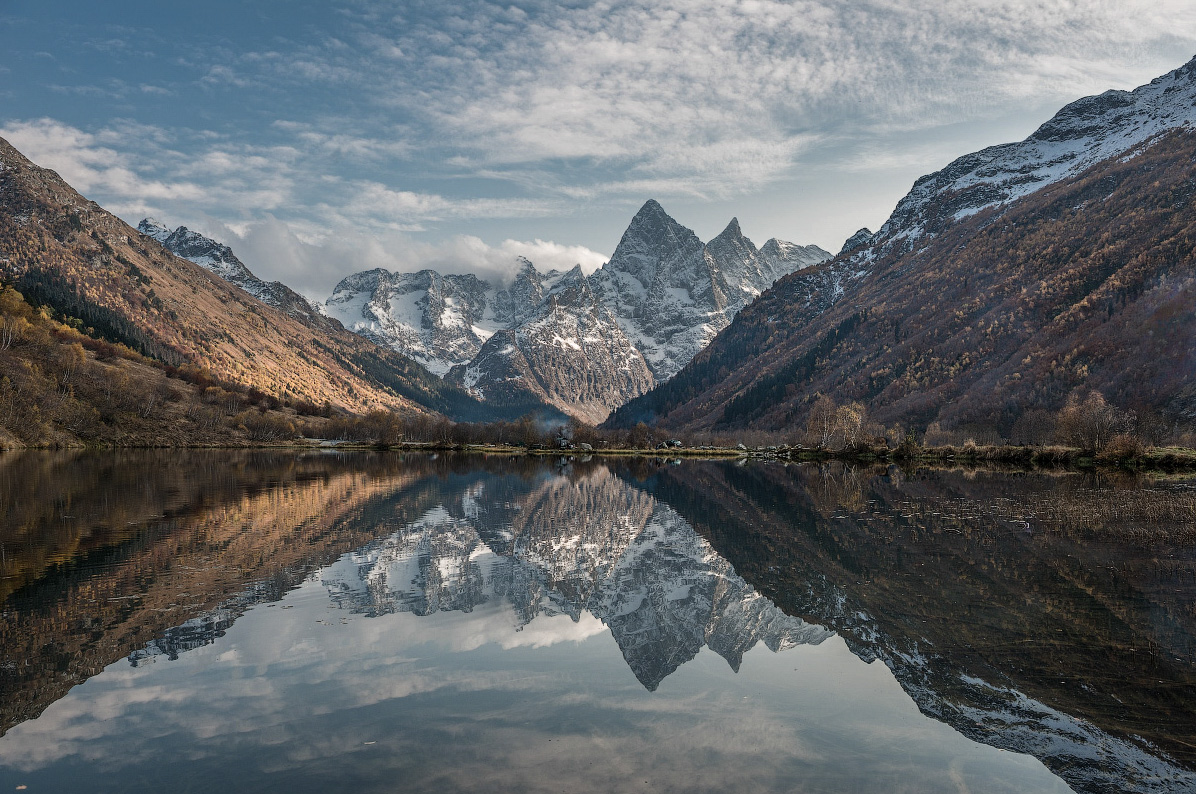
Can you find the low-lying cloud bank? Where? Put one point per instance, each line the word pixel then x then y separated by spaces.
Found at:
pixel 313 265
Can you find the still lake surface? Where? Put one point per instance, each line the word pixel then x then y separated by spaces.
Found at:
pixel 325 621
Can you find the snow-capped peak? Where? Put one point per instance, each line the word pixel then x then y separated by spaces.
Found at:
pixel 152 227
pixel 1080 135
pixel 856 240
pixel 219 259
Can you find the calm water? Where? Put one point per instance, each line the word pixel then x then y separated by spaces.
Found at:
pixel 374 622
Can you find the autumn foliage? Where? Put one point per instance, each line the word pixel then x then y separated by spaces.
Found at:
pixel 986 328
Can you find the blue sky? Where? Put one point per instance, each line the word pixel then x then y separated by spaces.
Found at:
pixel 319 138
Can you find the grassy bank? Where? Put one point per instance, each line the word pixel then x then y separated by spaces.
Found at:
pixel 1027 457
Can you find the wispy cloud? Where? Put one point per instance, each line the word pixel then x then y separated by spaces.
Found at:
pixel 89 166
pixel 421 118
pixel 150 174
pixel 720 97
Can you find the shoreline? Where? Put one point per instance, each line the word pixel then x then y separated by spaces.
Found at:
pixel 1155 459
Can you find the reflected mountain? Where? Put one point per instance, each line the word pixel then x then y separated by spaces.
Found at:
pixel 104 555
pixel 1048 614
pixel 572 544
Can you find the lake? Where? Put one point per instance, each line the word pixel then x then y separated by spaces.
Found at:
pixel 333 621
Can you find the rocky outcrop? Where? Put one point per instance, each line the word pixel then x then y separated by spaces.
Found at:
pixel 861 237
pixel 570 353
pixel 219 259
pixel 671 294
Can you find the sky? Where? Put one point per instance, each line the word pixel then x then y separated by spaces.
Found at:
pixel 323 138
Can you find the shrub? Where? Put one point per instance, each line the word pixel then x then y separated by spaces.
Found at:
pixel 1123 446
pixel 259 426
pixel 1090 423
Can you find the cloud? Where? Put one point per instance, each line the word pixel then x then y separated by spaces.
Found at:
pixel 89 167
pixel 391 123
pixel 334 140
pixel 716 98
pixel 138 169
pixel 223 75
pixel 313 263
pixel 385 206
pixel 548 255
pixel 701 99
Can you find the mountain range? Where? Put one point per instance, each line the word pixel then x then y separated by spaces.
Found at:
pixel 584 344
pixel 1000 285
pixel 219 259
pixel 68 254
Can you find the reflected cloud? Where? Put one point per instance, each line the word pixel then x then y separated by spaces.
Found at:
pixel 583 546
pixel 463 608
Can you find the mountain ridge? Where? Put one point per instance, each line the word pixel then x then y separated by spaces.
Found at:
pixel 656 303
pixel 61 250
pixel 218 258
pixel 975 302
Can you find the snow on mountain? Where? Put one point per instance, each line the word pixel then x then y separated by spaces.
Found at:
pixel 671 294
pixel 779 258
pixel 569 353
pixel 219 259
pixel 437 320
pixel 584 345
pixel 440 320
pixel 624 557
pixel 1080 135
pixel 207 253
pixel 152 227
pixel 853 242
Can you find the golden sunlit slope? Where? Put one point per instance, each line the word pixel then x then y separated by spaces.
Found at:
pixel 61 250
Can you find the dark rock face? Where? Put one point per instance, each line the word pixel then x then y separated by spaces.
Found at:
pixel 862 237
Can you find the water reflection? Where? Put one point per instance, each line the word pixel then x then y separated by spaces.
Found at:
pixel 1053 614
pixel 568 546
pixel 1050 615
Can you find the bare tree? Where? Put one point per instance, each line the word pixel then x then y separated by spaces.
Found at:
pixel 1090 422
pixel 849 423
pixel 821 423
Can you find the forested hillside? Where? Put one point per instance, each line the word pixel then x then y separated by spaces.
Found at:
pixel 1087 284
pixel 89 267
